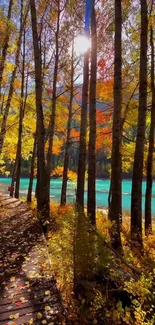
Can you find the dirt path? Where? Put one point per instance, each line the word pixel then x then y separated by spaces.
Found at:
pixel 28 293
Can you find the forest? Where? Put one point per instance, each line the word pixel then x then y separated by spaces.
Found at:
pixel 77 103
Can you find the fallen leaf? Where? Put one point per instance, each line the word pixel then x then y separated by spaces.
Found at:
pixel 44 321
pixel 18 303
pixel 15 316
pixel 23 300
pixel 12 278
pixel 47 308
pixel 21 286
pixel 47 293
pixel 39 316
pixel 30 321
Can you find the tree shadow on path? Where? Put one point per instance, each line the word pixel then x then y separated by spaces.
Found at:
pixel 28 292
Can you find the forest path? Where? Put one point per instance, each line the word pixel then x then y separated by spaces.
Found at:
pixel 28 292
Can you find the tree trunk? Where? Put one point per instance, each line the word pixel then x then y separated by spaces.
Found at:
pixel 53 113
pixel 137 178
pixel 115 210
pixel 149 180
pixel 11 89
pixel 83 132
pixel 42 190
pixel 29 194
pixel 91 204
pixel 13 177
pixel 66 158
pixel 21 116
pixel 5 45
pixel 2 102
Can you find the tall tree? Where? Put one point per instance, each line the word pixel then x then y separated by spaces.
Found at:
pixel 21 116
pixel 54 98
pixel 5 44
pixel 42 180
pixel 29 193
pixel 137 178
pixel 66 158
pixel 149 167
pixel 115 210
pixel 83 131
pixel 91 204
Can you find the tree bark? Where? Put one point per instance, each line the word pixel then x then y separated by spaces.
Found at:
pixel 115 210
pixel 137 178
pixel 29 194
pixel 66 158
pixel 149 168
pixel 83 132
pixel 91 204
pixel 13 177
pixel 53 113
pixel 42 180
pixel 21 116
pixel 11 89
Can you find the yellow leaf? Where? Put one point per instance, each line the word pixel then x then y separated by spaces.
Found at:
pixel 15 316
pixel 27 284
pixel 31 321
pixel 47 308
pixel 12 278
pixel 44 321
pixel 47 293
pixel 39 316
pixel 22 299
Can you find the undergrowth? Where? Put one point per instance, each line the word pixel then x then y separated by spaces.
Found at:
pixel 99 286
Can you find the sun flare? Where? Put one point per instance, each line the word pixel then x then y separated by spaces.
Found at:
pixel 81 44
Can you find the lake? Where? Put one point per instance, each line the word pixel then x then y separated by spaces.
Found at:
pixel 102 189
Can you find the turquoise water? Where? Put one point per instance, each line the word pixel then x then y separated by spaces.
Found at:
pixel 102 189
